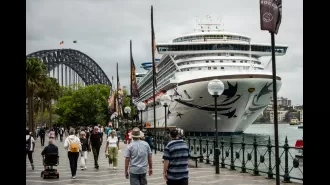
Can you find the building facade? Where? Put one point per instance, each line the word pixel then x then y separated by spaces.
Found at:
pixel 280 116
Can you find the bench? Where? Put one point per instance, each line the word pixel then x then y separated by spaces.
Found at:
pixel 195 157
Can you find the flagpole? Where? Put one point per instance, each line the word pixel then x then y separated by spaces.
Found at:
pixel 277 169
pixel 115 95
pixel 153 73
pixel 130 45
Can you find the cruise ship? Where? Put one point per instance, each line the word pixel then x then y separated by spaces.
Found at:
pixel 189 62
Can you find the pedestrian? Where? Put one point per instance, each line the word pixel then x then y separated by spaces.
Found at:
pixel 118 134
pixel 96 141
pixel 107 131
pixel 149 140
pixel 138 157
pixel 56 133
pixel 50 149
pixel 176 153
pixel 52 134
pixel 42 134
pixel 29 147
pixel 84 150
pixel 112 148
pixel 61 132
pixel 73 145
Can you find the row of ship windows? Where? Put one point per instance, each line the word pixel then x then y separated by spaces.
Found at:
pixel 240 47
pixel 205 37
pixel 210 68
pixel 212 61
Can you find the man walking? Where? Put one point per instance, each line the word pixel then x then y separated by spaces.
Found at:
pixel 138 157
pixel 96 140
pixel 176 153
pixel 42 134
pixel 29 147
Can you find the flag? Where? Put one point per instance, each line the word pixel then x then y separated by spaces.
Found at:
pixel 153 48
pixel 134 87
pixel 270 15
pixel 62 42
pixel 74 41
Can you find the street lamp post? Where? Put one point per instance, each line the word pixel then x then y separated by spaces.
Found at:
pixel 141 106
pixel 165 100
pixel 216 88
pixel 127 110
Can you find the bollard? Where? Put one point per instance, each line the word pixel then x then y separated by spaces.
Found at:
pixel 270 171
pixel 222 153
pixel 200 147
pixel 286 176
pixel 232 165
pixel 207 150
pixel 243 160
pixel 255 146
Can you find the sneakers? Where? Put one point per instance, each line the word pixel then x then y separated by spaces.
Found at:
pixel 73 177
pixel 115 168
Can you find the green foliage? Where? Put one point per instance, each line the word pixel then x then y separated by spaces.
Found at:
pixel 83 106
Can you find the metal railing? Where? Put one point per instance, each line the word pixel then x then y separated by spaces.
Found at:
pixel 258 158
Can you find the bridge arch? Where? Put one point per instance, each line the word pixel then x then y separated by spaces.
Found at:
pixel 86 68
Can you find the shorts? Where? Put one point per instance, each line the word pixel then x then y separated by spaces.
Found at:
pixel 138 179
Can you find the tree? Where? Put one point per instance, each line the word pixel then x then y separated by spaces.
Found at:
pixel 36 74
pixel 84 106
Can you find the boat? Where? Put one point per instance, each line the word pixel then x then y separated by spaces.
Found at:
pixel 294 121
pixel 189 62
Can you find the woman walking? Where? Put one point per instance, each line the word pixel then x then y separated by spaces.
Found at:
pixel 84 150
pixel 73 145
pixel 111 148
pixel 52 134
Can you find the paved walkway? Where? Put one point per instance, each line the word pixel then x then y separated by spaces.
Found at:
pixel 204 174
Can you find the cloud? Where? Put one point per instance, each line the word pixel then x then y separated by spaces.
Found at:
pixel 103 29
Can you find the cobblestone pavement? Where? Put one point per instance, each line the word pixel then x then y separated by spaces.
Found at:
pixel 204 174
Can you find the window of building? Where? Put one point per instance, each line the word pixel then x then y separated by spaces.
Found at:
pixel 234 61
pixel 209 68
pixel 221 61
pixel 212 61
pixel 222 68
pixel 241 61
pixel 199 68
pixel 187 69
pixel 214 67
pixel 207 61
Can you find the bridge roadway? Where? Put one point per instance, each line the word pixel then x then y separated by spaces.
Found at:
pixel 204 174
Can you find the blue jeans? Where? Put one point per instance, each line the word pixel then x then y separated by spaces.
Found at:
pixel 138 179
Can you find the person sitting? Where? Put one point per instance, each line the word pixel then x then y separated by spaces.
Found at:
pixel 50 149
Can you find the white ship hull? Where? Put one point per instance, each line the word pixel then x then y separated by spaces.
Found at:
pixel 193 109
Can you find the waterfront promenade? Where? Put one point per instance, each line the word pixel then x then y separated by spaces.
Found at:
pixel 204 174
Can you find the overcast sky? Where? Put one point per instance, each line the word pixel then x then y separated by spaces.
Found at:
pixel 103 29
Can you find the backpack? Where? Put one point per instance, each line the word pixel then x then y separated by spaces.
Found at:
pixel 74 146
pixel 28 144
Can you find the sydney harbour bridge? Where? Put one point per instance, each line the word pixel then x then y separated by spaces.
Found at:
pixel 71 66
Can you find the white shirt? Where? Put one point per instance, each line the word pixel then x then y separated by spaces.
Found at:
pixel 112 141
pixel 32 141
pixel 73 139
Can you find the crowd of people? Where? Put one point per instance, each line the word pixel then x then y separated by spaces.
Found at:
pixel 80 141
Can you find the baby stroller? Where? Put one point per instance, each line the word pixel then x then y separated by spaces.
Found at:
pixel 49 161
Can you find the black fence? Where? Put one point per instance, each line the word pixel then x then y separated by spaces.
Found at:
pixel 248 156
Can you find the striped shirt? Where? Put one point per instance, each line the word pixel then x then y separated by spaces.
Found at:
pixel 177 153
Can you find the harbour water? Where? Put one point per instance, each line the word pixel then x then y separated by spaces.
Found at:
pixel 262 133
